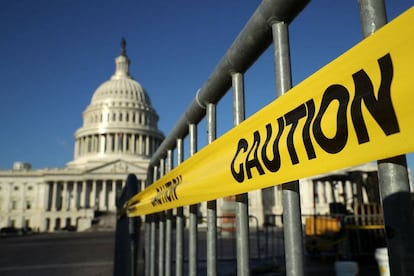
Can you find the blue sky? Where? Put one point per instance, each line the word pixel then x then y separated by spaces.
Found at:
pixel 54 54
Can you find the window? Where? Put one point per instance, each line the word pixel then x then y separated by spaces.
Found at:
pixel 16 188
pixel 14 204
pixel 28 205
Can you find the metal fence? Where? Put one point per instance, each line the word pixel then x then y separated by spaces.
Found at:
pixel 172 242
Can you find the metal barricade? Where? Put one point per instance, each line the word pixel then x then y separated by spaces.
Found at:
pixel 165 234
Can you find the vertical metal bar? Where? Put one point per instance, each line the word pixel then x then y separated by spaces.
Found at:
pixel 161 230
pixel 211 205
pixel 179 253
pixel 392 175
pixel 161 243
pixel 152 245
pixel 242 200
pixel 238 98
pixel 193 211
pixel 153 233
pixel 168 230
pixel 292 224
pixel 372 15
pixel 147 229
pixel 147 237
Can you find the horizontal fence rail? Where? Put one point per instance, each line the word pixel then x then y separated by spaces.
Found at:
pixel 184 223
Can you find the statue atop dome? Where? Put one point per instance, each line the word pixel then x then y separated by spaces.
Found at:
pixel 123 47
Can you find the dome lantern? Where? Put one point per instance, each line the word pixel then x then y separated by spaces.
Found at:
pixel 122 64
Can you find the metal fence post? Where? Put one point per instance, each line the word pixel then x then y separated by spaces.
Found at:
pixel 161 230
pixel 147 237
pixel 292 225
pixel 126 239
pixel 179 228
pixel 211 205
pixel 161 243
pixel 153 230
pixel 168 229
pixel 147 229
pixel 392 175
pixel 193 235
pixel 242 200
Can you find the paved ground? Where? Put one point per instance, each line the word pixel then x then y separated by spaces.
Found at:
pixel 91 253
pixel 57 254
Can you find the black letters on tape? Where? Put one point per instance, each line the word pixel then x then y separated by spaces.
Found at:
pixel 380 108
pixel 167 192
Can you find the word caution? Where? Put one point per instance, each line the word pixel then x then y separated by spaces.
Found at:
pixel 381 109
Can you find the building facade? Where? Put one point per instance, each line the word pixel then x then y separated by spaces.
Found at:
pixel 118 136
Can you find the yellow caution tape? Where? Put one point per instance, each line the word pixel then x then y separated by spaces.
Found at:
pixel 356 109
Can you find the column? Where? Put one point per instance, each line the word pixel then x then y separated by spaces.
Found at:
pixel 349 193
pixel 108 142
pixel 53 196
pixel 65 196
pixel 343 192
pixel 116 142
pixel 147 145
pixel 132 143
pixel 92 198
pixel 112 198
pixel 91 143
pixel 326 192
pixel 124 142
pixel 94 143
pixel 82 147
pixel 74 196
pixel 98 143
pixel 140 144
pixel 83 195
pixel 321 193
pixel 87 144
pixel 102 196
pixel 102 143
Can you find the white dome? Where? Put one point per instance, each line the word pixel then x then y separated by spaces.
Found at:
pixel 125 89
pixel 119 122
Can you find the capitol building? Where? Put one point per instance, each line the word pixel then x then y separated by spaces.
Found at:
pixel 118 136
